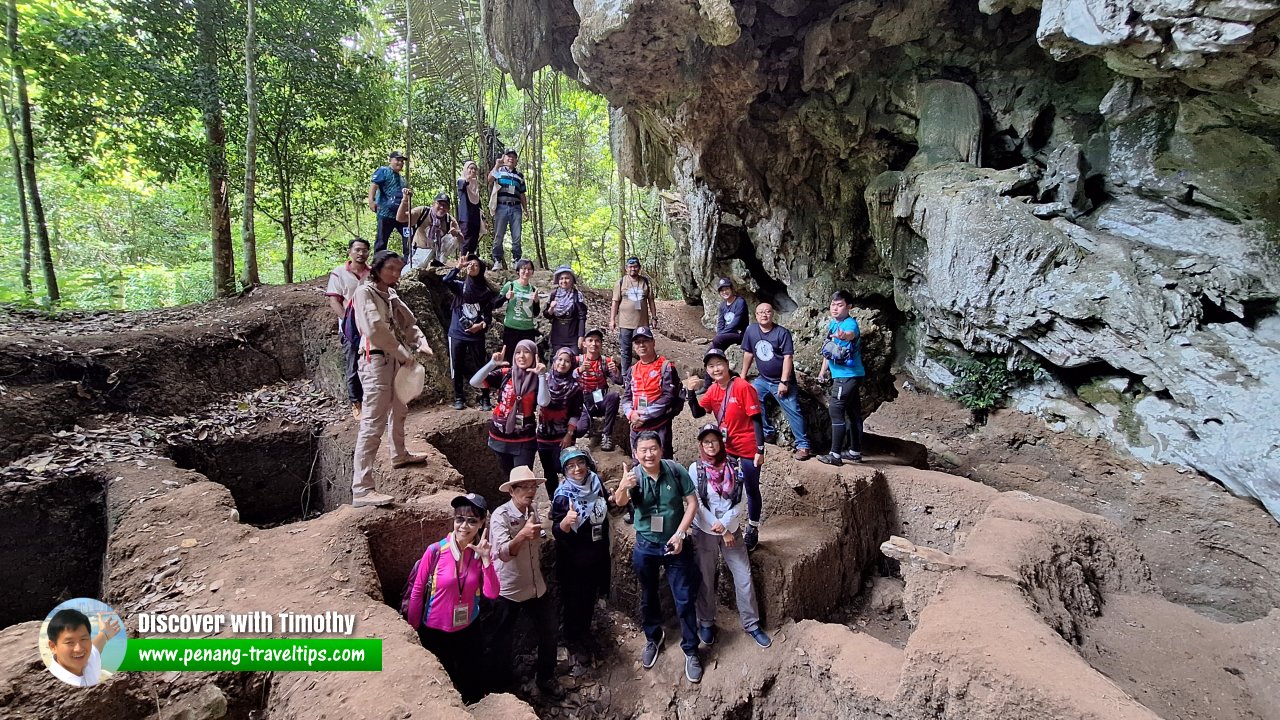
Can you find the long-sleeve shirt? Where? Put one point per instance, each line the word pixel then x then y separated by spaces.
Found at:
pixel 520 575
pixel 444 559
pixel 718 508
pixel 481 309
pixel 650 391
pixel 379 316
pixel 555 417
pixel 566 329
pixel 732 317
pixel 494 378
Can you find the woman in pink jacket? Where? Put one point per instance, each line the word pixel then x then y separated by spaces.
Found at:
pixel 444 599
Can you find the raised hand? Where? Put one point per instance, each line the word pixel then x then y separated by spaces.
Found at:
pixel 693 383
pixel 570 519
pixel 497 357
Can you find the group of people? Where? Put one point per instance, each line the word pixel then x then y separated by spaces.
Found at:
pixel 685 518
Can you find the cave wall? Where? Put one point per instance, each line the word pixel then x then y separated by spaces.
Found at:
pixel 1094 184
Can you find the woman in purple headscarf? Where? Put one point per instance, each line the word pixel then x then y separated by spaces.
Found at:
pixel 522 387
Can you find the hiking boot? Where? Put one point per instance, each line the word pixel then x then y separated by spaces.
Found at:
pixel 751 538
pixel 606 444
pixel 485 405
pixel 693 668
pixel 762 639
pixel 802 454
pixel 356 409
pixel 459 404
pixel 851 456
pixel 410 459
pixel 371 499
pixel 830 459
pixel 707 634
pixel 651 650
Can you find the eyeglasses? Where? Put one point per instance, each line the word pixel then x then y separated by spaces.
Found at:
pixel 464 520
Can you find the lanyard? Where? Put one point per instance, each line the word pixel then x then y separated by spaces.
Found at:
pixel 461 567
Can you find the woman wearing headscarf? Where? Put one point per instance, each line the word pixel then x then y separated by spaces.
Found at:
pixel 567 310
pixel 469 193
pixel 522 387
pixel 580 524
pixel 717 532
pixel 558 418
pixel 472 310
pixel 444 595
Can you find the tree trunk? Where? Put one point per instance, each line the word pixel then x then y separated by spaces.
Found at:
pixel 622 219
pixel 29 157
pixel 248 234
pixel 215 133
pixel 22 198
pixel 286 214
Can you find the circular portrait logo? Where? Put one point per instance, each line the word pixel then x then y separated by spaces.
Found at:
pixel 83 641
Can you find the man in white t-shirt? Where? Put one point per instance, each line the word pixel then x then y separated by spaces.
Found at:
pixel 343 282
pixel 77 660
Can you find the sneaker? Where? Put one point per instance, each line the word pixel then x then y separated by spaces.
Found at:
pixel 693 668
pixel 497 265
pixel 762 639
pixel 356 408
pixel 707 634
pixel 851 456
pixel 371 499
pixel 410 459
pixel 606 444
pixel 651 650
pixel 830 459
pixel 751 538
pixel 802 454
pixel 459 404
pixel 485 405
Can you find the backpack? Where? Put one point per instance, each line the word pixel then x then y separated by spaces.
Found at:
pixel 433 561
pixel 701 483
pixel 350 332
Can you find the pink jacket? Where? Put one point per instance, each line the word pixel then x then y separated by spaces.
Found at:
pixel 438 613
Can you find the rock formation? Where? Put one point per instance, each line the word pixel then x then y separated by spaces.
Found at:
pixel 1093 184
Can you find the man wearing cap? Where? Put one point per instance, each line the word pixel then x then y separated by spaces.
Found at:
pixel 384 198
pixel 771 349
pixel 595 372
pixel 731 316
pixel 661 501
pixel 380 314
pixel 567 310
pixel 649 393
pixel 736 408
pixel 436 234
pixel 343 282
pixel 517 533
pixel 512 205
pixel 633 306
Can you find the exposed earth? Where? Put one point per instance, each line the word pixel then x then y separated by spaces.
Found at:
pixel 195 459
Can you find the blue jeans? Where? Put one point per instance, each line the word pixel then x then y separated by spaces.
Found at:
pixel 509 215
pixel 790 404
pixel 684 579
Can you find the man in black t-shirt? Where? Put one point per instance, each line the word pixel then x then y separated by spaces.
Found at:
pixel 770 347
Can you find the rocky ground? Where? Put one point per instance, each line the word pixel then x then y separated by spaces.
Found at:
pixel 1127 591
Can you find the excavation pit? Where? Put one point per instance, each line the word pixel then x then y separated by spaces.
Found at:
pixel 56 532
pixel 276 473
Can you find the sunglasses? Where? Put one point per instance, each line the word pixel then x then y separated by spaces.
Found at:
pixel 464 520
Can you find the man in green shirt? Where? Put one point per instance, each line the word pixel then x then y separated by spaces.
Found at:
pixel 522 307
pixel 661 496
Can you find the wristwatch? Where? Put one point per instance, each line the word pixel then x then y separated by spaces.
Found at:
pixel 680 534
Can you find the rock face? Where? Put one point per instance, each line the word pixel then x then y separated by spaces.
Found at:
pixel 1093 184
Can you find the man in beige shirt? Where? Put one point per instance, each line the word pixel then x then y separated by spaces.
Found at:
pixel 383 319
pixel 517 534
pixel 633 306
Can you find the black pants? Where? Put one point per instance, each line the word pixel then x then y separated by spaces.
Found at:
pixel 511 336
pixel 844 403
pixel 664 432
pixel 386 227
pixel 351 354
pixel 624 350
pixel 579 589
pixel 607 409
pixel 510 461
pixel 502 631
pixel 465 358
pixel 461 655
pixel 726 340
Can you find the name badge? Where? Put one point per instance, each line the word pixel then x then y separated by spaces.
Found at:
pixel 656 523
pixel 597 395
pixel 642 402
pixel 519 418
pixel 597 533
pixel 461 615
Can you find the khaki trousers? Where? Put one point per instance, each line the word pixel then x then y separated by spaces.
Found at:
pixel 377 375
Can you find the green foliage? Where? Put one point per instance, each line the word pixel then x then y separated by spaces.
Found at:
pixel 983 382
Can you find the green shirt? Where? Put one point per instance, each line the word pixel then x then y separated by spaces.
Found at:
pixel 663 497
pixel 519 308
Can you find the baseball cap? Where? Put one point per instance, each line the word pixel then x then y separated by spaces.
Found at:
pixel 442 198
pixel 595 331
pixel 473 500
pixel 714 353
pixel 724 283
pixel 396 155
pixel 633 260
pixel 710 428
pixel 641 332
